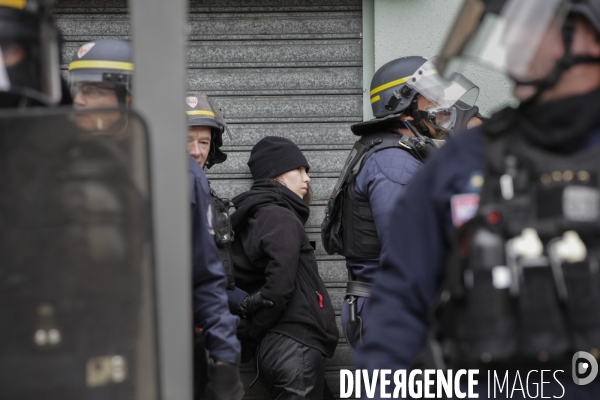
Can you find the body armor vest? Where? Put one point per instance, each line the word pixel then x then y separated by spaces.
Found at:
pixel 523 283
pixel 223 235
pixel 349 228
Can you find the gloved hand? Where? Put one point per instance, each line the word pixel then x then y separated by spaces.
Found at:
pixel 252 303
pixel 224 382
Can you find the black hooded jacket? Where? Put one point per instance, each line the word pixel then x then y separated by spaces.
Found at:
pixel 271 253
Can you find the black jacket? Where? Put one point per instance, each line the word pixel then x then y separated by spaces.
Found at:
pixel 271 253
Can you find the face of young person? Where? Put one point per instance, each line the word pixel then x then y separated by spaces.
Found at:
pixel 296 180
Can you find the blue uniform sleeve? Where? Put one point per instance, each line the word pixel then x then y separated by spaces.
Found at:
pixel 414 249
pixel 211 311
pixel 235 298
pixel 384 179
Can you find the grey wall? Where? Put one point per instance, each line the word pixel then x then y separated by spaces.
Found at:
pixel 290 68
pixel 418 27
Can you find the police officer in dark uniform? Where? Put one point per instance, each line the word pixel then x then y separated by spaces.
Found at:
pixel 498 235
pixel 205 138
pixel 414 109
pixel 101 75
pixel 217 326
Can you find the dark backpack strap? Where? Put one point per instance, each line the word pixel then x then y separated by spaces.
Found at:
pixel 377 142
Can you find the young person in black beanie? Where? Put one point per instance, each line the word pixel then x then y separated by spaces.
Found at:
pixel 271 253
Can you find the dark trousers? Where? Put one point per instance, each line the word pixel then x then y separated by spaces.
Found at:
pixel 290 370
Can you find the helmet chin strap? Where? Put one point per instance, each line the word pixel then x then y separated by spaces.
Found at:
pixel 418 121
pixel 566 62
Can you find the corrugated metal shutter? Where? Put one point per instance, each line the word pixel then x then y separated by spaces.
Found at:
pixel 290 68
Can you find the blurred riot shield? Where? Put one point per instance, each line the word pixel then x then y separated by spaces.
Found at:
pixel 77 312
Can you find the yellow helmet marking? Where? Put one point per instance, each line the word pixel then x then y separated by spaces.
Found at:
pixel 200 112
pixel 20 4
pixel 390 84
pixel 100 64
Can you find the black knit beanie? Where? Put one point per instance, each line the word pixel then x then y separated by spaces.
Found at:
pixel 273 156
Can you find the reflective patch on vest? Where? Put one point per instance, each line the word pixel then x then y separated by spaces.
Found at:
pixel 209 222
pixel 463 206
pixel 581 203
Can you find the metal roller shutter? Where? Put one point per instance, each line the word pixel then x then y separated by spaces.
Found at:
pixel 290 68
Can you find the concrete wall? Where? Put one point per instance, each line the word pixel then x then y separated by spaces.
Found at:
pixel 418 27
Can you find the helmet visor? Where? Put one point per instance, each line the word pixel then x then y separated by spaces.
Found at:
pixel 459 92
pixel 506 35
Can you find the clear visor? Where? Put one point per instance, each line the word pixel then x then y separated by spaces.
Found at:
pixel 98 94
pixel 459 91
pixel 508 38
pixel 89 86
pixel 442 118
pixel 29 68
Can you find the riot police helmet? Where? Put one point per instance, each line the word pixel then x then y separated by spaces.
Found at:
pixel 102 68
pixel 396 86
pixel 29 54
pixel 202 112
pixel 508 36
pixel 389 92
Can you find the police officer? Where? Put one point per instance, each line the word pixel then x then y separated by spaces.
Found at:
pixel 211 313
pixel 516 288
pixel 413 114
pixel 205 138
pixel 100 76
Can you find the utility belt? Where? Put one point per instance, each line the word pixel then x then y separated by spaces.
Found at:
pixel 532 309
pixel 354 290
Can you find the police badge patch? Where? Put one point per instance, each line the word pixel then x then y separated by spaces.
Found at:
pixel 191 101
pixel 464 207
pixel 83 50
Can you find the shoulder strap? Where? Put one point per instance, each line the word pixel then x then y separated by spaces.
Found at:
pixel 497 138
pixel 377 142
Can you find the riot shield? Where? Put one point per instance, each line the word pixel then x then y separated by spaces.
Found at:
pixel 77 312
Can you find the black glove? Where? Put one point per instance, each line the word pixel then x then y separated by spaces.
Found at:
pixel 224 382
pixel 252 303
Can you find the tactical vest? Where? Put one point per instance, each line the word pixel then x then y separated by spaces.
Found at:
pixel 523 283
pixel 349 228
pixel 223 235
